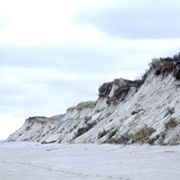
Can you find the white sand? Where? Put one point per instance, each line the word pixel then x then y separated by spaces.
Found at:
pixel 33 161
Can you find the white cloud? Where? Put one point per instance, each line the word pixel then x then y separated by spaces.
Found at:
pixel 53 57
pixel 43 91
pixel 140 19
pixel 39 22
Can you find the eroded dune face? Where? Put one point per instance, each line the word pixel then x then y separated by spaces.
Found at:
pixel 126 112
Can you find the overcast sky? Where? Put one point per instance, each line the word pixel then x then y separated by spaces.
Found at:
pixel 55 53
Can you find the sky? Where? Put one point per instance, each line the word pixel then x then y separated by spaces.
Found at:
pixel 55 54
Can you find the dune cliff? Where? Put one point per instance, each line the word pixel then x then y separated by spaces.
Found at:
pixel 141 111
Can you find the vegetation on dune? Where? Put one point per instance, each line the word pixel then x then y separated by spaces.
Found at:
pixel 82 105
pixel 164 67
pixel 159 66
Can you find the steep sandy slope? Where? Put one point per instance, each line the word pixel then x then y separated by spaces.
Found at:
pixel 145 111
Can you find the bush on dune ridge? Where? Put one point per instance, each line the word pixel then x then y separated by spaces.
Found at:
pixel 164 67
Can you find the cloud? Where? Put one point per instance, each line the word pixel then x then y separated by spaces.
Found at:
pixel 42 22
pixel 82 56
pixel 49 62
pixel 133 19
pixel 45 91
pixel 4 22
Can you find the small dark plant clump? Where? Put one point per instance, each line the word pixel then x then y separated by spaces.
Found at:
pixel 37 117
pixel 105 89
pixel 176 72
pixel 171 124
pixel 170 111
pixel 164 67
